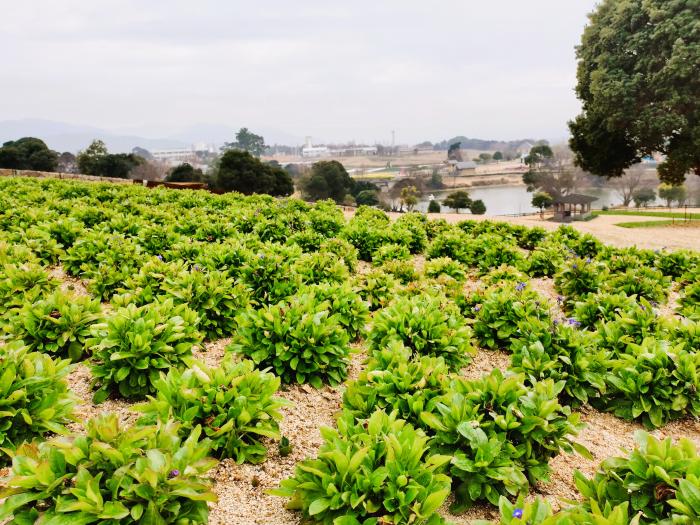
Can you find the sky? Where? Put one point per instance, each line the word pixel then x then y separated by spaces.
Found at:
pixel 336 71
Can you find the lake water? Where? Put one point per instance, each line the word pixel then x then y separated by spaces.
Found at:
pixel 508 200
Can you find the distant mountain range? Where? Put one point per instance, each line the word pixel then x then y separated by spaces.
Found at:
pixel 62 136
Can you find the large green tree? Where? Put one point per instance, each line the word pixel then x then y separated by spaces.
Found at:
pixel 327 179
pixel 248 141
pixel 458 200
pixel 96 160
pixel 638 80
pixel 28 153
pixel 185 172
pixel 240 171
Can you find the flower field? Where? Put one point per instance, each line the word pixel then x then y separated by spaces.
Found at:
pixel 181 357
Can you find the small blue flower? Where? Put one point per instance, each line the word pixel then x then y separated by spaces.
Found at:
pixel 173 473
pixel 588 260
pixel 560 299
pixel 518 513
pixel 575 266
pixel 573 322
pixel 477 308
pixel 520 287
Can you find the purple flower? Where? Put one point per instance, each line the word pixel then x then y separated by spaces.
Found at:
pixel 573 322
pixel 520 287
pixel 575 266
pixel 556 322
pixel 173 473
pixel 518 513
pixel 261 256
pixel 588 260
pixel 560 299
pixel 197 268
pixel 477 308
pixel 160 257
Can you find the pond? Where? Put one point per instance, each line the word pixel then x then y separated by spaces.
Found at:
pixel 510 200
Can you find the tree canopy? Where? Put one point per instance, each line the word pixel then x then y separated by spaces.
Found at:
pixel 248 141
pixel 240 171
pixel 28 153
pixel 327 179
pixel 96 160
pixel 458 200
pixel 185 172
pixel 639 84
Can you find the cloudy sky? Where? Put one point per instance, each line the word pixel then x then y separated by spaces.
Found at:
pixel 500 69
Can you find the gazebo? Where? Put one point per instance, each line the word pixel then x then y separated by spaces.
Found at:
pixel 572 207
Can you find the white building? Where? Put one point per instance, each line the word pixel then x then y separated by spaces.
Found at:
pixel 315 151
pixel 175 156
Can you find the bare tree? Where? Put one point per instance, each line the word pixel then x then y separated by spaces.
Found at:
pixel 627 184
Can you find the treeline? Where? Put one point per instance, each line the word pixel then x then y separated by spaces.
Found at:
pixel 483 145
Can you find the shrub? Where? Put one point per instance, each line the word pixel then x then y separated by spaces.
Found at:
pixel 404 271
pixel 300 340
pixel 501 434
pixel 367 235
pixel 350 310
pixel 233 403
pixel 215 297
pixel 381 471
pixel 23 284
pixel 135 344
pixel 434 206
pixel 452 243
pixel 343 249
pixel 316 268
pixel 501 311
pixel 654 382
pixel 146 285
pixel 377 288
pixel 59 324
pixel 270 276
pixel 579 278
pixel 110 475
pixel 544 261
pixel 562 353
pixel 689 300
pixel 445 266
pixel 602 307
pixel 390 252
pixel 394 381
pixel 660 479
pixel 677 263
pixel 641 282
pixel 630 326
pixel 34 395
pixel 426 326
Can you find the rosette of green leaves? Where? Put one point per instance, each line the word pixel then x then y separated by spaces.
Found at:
pixel 229 256
pixel 233 403
pixel 144 286
pixel 650 284
pixel 300 340
pixel 544 261
pixel 402 270
pixel 428 326
pixel 215 297
pixel 135 344
pixel 677 263
pixel 270 276
pixel 493 250
pixel 157 238
pixel 378 471
pixel 660 479
pixel 578 278
pixel 501 312
pixel 452 243
pixel 59 324
pixel 562 353
pixel 21 284
pixel 602 306
pixel 501 433
pixel 504 274
pixel 414 225
pixel 394 381
pixel 367 235
pixel 689 300
pixel 34 395
pixel 45 247
pixel 390 252
pixel 111 475
pixel 85 250
pixel 66 230
pixel 343 249
pixel 316 268
pixel 17 254
pixel 346 304
pixel 654 382
pixel 377 288
pixel 113 267
pixel 632 326
pixel 445 266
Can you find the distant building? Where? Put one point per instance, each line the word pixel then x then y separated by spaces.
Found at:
pixel 315 151
pixel 465 167
pixel 175 156
pixel 572 207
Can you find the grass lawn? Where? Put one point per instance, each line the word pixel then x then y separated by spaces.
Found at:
pixel 640 213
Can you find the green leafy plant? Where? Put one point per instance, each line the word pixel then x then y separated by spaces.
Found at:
pixel 498 317
pixel 427 326
pixel 26 283
pixel 59 324
pixel 654 382
pixel 390 252
pixel 346 304
pixel 377 472
pixel 660 479
pixel 445 266
pixel 377 288
pixel 135 344
pixel 602 307
pixel 579 278
pixel 402 270
pixel 300 340
pixel 501 434
pixel 396 381
pixel 111 475
pixel 544 261
pixel 343 249
pixel 677 263
pixel 34 395
pixel 650 284
pixel 233 403
pixel 215 297
pixel 315 268
pixel 270 276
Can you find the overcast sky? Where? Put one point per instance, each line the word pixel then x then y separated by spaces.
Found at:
pixel 497 69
